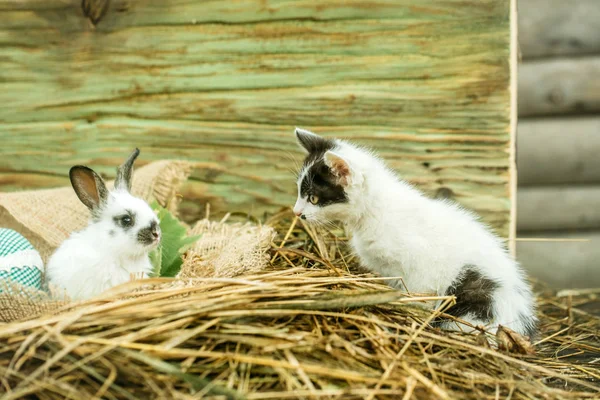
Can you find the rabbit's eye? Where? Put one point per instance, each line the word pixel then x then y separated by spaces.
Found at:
pixel 124 221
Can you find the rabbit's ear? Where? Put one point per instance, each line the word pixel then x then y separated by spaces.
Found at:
pixel 89 187
pixel 125 171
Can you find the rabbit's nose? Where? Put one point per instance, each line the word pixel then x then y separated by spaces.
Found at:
pixel 155 230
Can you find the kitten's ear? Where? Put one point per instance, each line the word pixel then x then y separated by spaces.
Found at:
pixel 310 142
pixel 339 167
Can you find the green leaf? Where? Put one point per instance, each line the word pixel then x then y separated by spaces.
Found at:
pixel 156 261
pixel 174 243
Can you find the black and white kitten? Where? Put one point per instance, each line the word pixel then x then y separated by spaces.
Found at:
pixel 435 245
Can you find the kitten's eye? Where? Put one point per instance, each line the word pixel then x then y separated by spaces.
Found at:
pixel 314 199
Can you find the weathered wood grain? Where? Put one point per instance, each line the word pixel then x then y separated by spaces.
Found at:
pixel 425 83
pixel 554 151
pixel 559 86
pixel 558 208
pixel 558 27
pixel 566 264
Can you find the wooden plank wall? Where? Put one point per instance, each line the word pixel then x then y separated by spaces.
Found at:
pixel 558 146
pixel 424 82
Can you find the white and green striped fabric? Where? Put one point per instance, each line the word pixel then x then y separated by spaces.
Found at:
pixel 19 261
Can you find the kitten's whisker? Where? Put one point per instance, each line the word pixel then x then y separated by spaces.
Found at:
pixel 292 171
pixel 296 168
pixel 330 224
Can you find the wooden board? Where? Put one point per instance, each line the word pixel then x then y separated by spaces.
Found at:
pixel 424 82
pixel 558 150
pixel 557 27
pixel 558 208
pixel 569 261
pixel 559 86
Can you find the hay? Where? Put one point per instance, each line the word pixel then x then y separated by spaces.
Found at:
pixel 310 327
pixel 227 250
pixel 224 250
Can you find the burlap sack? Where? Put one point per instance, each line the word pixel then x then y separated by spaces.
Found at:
pixel 224 251
pixel 227 250
pixel 47 217
pixel 24 302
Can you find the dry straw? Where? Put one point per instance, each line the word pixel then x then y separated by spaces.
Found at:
pixel 310 326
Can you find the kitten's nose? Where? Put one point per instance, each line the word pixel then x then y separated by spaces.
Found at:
pixel 298 209
pixel 299 214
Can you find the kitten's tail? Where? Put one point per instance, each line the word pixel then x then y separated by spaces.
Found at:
pixel 514 307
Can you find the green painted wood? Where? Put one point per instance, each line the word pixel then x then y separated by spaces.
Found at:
pixel 424 82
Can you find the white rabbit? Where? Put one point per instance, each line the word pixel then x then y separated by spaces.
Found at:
pixel 123 230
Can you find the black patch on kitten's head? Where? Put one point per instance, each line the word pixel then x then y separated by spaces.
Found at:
pixel 320 182
pixel 318 179
pixel 474 293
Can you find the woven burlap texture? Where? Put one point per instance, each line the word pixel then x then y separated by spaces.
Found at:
pixel 47 217
pixel 23 302
pixel 227 250
pixel 223 250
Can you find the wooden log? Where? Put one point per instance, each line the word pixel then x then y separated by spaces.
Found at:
pixel 558 208
pixel 562 265
pixel 558 27
pixel 558 151
pixel 561 86
pixel 224 83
